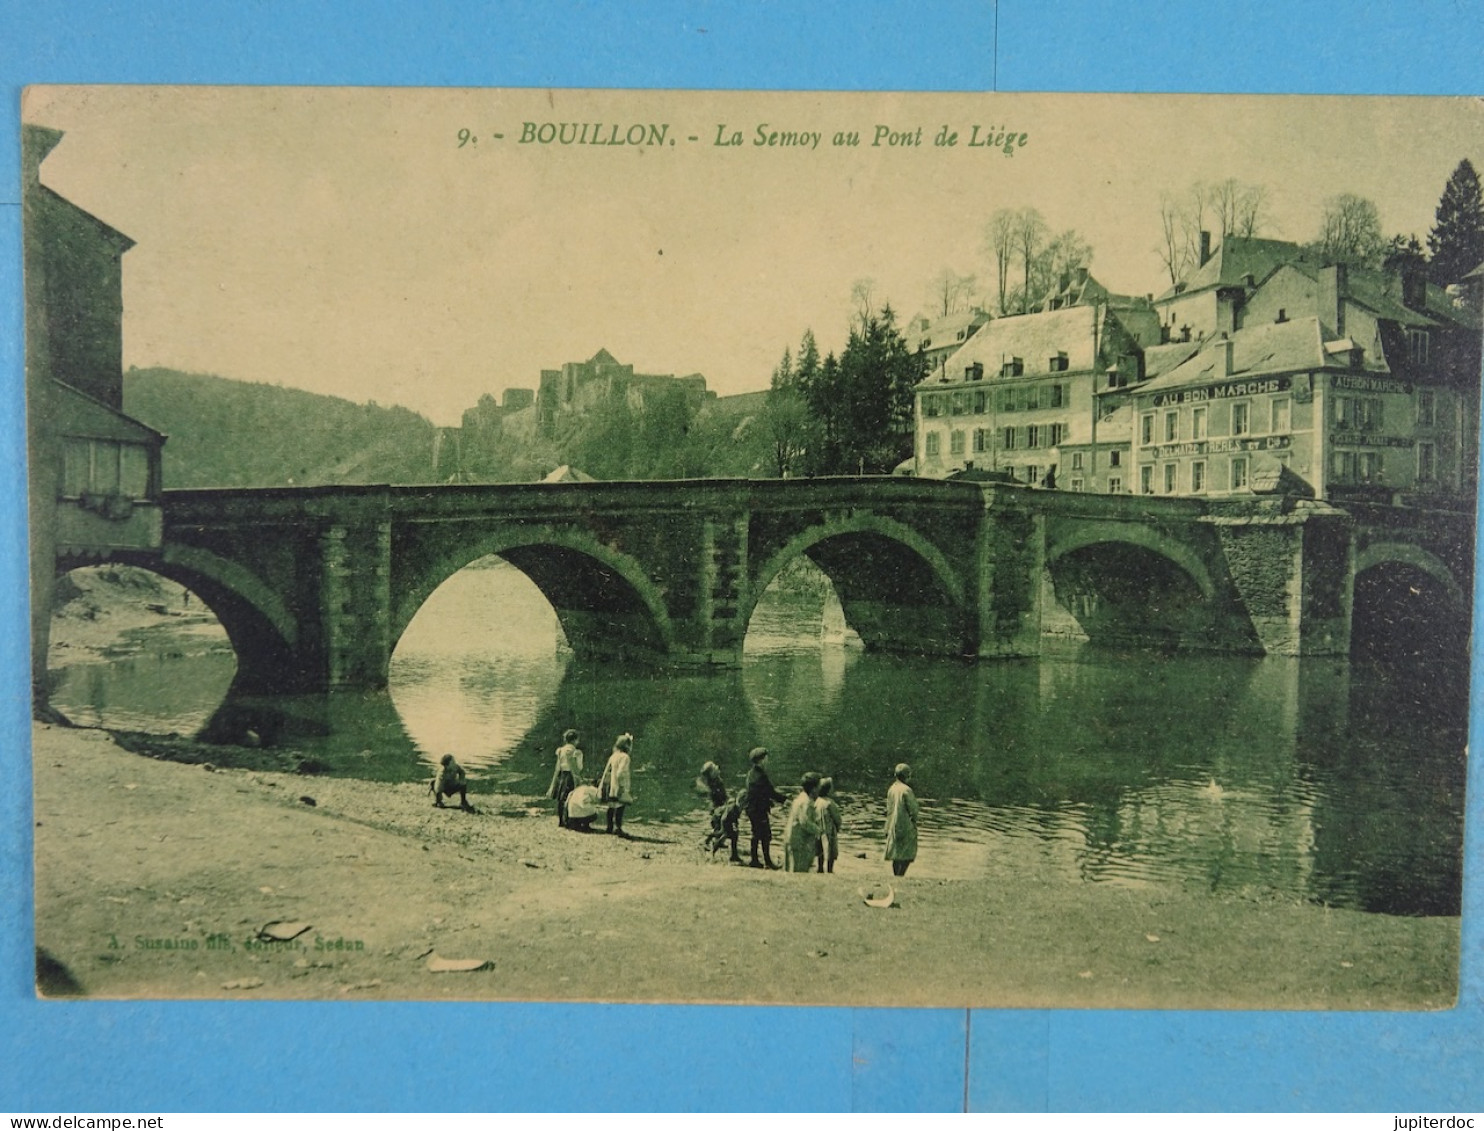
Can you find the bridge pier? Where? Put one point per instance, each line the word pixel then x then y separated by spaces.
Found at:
pixel 1293 569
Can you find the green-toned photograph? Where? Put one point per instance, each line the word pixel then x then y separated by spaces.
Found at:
pixel 486 544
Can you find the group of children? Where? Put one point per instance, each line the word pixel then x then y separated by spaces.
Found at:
pixel 578 805
pixel 811 832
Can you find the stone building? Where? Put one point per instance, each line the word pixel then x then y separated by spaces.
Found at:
pixel 938 339
pixel 582 386
pixel 94 472
pixel 1331 381
pixel 1025 386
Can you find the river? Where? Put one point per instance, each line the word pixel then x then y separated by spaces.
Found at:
pixel 1317 780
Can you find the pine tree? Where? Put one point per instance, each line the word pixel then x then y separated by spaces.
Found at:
pixel 1457 239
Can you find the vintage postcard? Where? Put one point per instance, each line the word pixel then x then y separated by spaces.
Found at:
pixel 852 549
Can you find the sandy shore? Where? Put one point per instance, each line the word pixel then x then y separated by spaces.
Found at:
pixel 153 879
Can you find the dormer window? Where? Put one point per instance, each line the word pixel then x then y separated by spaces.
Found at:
pixel 1013 368
pixel 1058 364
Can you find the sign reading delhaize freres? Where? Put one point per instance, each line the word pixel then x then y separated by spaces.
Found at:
pixel 1216 447
pixel 1226 390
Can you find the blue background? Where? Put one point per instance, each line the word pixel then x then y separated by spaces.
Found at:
pixel 145 1057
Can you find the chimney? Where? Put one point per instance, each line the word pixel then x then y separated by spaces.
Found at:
pixel 1332 289
pixel 1205 248
pixel 1414 286
pixel 1228 348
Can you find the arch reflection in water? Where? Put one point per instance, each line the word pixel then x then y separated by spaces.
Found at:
pixel 1266 777
pixel 132 650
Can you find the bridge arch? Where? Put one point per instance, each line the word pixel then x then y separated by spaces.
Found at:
pixel 263 632
pixel 897 589
pixel 606 604
pixel 1087 534
pixel 1380 553
pixel 1407 608
pixel 1127 584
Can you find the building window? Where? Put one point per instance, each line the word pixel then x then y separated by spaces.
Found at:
pixel 1172 427
pixel 1198 424
pixel 1008 441
pixel 1076 461
pixel 1033 436
pixel 1076 484
pixel 956 444
pixel 1239 475
pixel 1170 478
pixel 1032 473
pixel 1058 434
pixel 1146 428
pixel 1115 485
pixel 1146 480
pixel 1417 346
pixel 104 467
pixel 1115 458
pixel 1241 418
pixel 1198 477
pixel 981 400
pixel 930 444
pixel 1012 368
pixel 1358 413
pixel 1427 408
pixel 1058 364
pixel 1057 393
pixel 1282 415
pixel 1368 467
pixel 1427 462
pixel 979 439
pixel 958 404
pixel 930 406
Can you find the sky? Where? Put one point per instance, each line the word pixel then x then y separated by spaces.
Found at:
pixel 385 245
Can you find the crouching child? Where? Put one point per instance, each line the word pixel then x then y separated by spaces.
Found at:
pixel 449 780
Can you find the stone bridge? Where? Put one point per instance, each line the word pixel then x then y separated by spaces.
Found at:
pixel 315 586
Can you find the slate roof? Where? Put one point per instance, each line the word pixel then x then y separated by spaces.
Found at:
pixel 1274 347
pixel 1238 256
pixel 1034 338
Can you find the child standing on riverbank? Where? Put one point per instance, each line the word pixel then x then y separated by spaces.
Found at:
pixel 761 796
pixel 564 777
pixel 828 811
pixel 616 785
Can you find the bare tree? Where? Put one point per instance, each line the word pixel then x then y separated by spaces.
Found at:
pixel 862 300
pixel 1030 237
pixel 999 243
pixel 950 292
pixel 1224 208
pixel 1350 231
pixel 1241 209
pixel 1174 249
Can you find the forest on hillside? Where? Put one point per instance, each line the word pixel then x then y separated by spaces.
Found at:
pixel 227 433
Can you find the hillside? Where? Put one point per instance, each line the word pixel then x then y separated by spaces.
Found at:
pixel 225 433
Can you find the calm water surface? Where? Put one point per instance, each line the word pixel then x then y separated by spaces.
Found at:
pixel 1317 780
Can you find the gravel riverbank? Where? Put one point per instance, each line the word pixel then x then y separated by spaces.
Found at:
pixel 154 878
